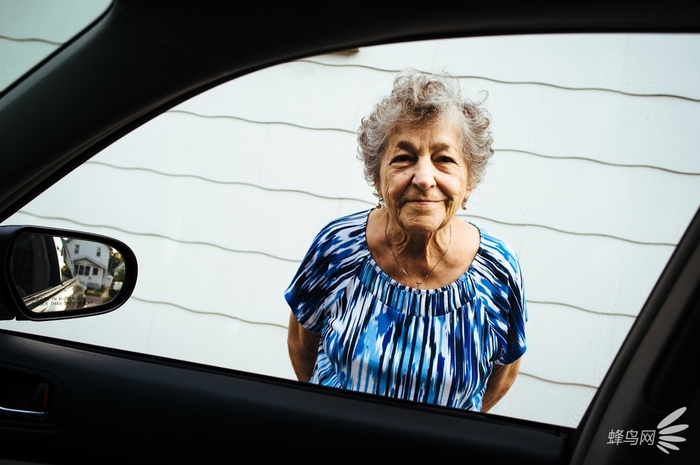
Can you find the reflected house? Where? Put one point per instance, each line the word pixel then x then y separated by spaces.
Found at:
pixel 91 261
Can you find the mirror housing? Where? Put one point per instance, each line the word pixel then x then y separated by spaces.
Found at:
pixel 50 274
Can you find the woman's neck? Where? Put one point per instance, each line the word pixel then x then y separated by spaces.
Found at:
pixel 409 258
pixel 417 246
pixel 420 252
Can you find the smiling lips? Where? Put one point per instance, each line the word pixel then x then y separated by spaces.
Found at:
pixel 423 201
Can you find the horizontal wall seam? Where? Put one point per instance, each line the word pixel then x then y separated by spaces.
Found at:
pixel 162 236
pixel 600 162
pixel 271 123
pixel 30 39
pixel 503 81
pixel 201 312
pixel 560 383
pixel 576 307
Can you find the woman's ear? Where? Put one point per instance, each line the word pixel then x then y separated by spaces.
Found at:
pixel 380 198
pixel 467 194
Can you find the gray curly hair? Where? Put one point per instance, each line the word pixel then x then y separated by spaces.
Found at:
pixel 418 98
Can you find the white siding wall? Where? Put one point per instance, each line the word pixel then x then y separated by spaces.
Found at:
pixel 30 30
pixel 594 180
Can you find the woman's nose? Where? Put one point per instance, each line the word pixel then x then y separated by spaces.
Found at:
pixel 424 175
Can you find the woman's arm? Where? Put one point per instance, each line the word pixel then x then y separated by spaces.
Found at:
pixel 303 348
pixel 501 379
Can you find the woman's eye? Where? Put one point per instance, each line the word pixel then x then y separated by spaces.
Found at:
pixel 401 158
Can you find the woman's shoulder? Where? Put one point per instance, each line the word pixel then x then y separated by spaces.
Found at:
pixel 342 235
pixel 346 226
pixel 496 250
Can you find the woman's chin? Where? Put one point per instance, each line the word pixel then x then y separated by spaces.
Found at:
pixel 423 224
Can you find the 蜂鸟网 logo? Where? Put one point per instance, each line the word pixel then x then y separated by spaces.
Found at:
pixel 664 437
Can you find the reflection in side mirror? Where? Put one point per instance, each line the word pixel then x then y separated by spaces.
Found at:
pixel 54 274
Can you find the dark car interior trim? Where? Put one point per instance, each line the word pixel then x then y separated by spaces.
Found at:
pixel 228 405
pixel 186 410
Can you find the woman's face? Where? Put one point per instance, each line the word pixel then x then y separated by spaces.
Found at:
pixel 423 175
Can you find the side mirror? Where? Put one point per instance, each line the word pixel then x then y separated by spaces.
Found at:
pixel 50 274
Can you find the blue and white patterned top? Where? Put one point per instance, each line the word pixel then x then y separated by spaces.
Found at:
pixel 382 337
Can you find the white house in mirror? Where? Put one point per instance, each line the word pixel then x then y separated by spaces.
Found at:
pixel 91 261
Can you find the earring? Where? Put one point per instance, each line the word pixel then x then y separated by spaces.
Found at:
pixel 464 204
pixel 380 203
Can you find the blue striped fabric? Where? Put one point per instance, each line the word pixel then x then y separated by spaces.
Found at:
pixel 379 336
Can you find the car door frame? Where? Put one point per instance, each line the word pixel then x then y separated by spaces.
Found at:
pixel 110 402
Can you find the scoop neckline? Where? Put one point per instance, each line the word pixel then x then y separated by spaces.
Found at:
pixel 385 276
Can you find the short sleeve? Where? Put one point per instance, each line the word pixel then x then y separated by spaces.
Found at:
pixel 499 282
pixel 331 260
pixel 307 292
pixel 516 344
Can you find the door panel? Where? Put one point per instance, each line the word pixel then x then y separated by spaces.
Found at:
pixel 107 404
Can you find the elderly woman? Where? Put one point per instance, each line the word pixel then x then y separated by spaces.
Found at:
pixel 406 300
